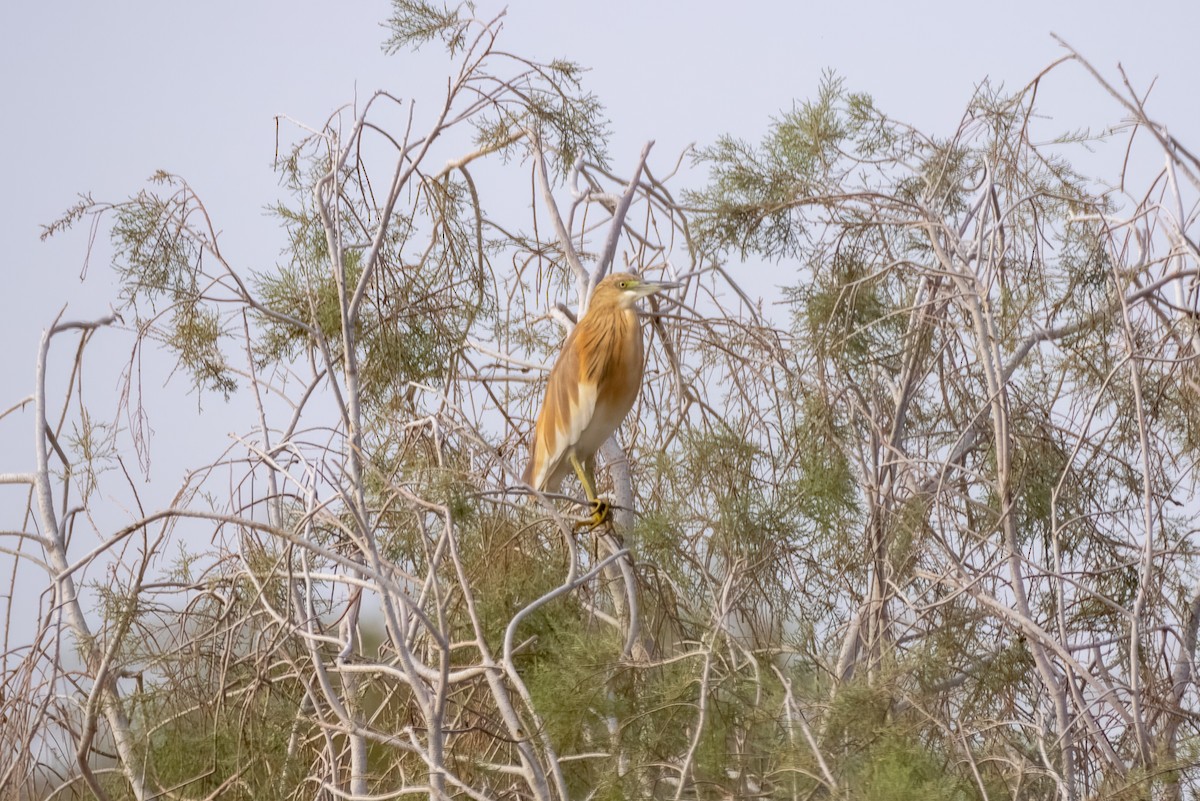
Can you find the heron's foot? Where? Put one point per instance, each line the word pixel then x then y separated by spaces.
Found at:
pixel 601 514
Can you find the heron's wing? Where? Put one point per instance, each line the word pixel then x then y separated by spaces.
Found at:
pixel 568 409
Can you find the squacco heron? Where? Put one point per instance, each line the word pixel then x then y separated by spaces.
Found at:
pixel 592 387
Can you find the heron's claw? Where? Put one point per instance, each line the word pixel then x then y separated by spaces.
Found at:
pixel 601 514
pixel 601 511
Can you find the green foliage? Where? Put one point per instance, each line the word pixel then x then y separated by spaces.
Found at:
pixel 657 534
pixel 156 253
pixel 416 313
pixel 888 755
pixel 896 768
pixel 553 101
pixel 570 120
pixel 160 242
pixel 573 118
pixel 194 335
pixel 568 674
pixel 494 554
pixel 95 445
pixel 200 749
pixel 744 517
pixel 312 300
pixel 415 22
pixel 753 191
pixel 847 313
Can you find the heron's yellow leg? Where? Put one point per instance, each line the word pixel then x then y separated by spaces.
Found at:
pixel 600 509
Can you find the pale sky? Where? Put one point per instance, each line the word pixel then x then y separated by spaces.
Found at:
pixel 100 95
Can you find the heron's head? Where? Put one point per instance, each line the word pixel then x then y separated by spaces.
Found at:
pixel 626 288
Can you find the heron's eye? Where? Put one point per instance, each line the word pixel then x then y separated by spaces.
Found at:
pixel 624 285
